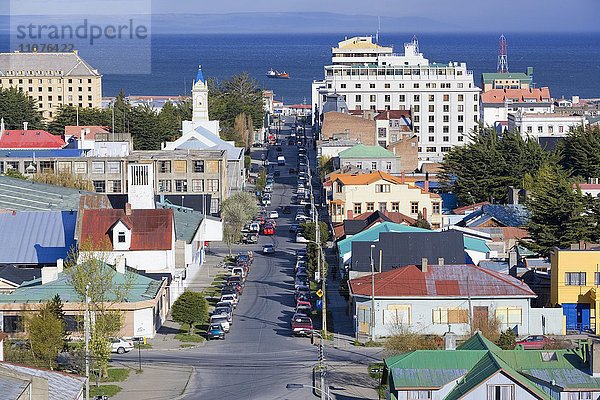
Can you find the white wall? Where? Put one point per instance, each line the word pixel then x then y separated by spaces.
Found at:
pixel 481 391
pixel 148 260
pixel 143 322
pixel 554 321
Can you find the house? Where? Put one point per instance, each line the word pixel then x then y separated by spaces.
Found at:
pixel 29 139
pixel 85 134
pixel 333 147
pixel 496 104
pixel 478 369
pixel 434 299
pixel 496 215
pixel 374 158
pixel 11 277
pixel 36 238
pixel 352 194
pixel 145 237
pixel 396 249
pixel 144 309
pixel 538 125
pixel 18 382
pixel 574 281
pixel 407 148
pixel 337 125
pixel 392 126
pixel 367 220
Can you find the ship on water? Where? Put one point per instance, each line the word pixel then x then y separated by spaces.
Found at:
pixel 277 75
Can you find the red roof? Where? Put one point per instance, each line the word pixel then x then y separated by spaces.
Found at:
pixel 440 280
pixel 516 95
pixel 150 229
pixel 90 131
pixel 469 209
pixel 392 114
pixel 30 139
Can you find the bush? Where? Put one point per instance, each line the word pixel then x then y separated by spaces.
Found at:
pixel 404 340
pixel 507 340
pixel 489 328
pixel 190 308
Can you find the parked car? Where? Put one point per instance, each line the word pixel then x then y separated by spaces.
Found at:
pixel 215 331
pixel 230 298
pixel 274 214
pixel 294 228
pixel 301 218
pixel 535 342
pixel 268 230
pixel 120 345
pixel 222 320
pixel 287 210
pixel 300 238
pixel 238 271
pixel 303 303
pixel 250 238
pixel 301 325
pixel 222 304
pixel 303 310
pixel 277 173
pixel 268 249
pixel 300 293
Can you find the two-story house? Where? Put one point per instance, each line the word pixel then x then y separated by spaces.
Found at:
pixel 351 194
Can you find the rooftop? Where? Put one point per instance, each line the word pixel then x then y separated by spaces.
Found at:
pixel 61 386
pixel 30 139
pixel 45 64
pixel 364 151
pixel 488 77
pixel 372 234
pixel 500 96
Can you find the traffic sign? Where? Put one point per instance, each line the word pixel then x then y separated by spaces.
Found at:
pixel 319 304
pixel 320 293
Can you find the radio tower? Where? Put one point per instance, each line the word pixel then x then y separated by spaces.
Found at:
pixel 502 56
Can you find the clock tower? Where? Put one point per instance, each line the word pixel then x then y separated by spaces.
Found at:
pixel 199 98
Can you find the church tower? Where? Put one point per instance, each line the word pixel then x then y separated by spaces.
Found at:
pixel 199 98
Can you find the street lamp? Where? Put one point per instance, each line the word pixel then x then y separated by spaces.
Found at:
pixel 372 296
pixel 302 386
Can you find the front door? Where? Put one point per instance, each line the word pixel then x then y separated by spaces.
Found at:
pixel 480 316
pixel 364 319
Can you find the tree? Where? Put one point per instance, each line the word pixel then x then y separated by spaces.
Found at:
pixel 144 125
pixel 169 122
pixel 557 211
pixel 581 152
pixel 325 166
pixel 312 250
pixel 507 340
pixel 309 232
pixel 16 107
pixel 236 211
pixel 483 169
pixel 70 116
pixel 46 333
pixel 55 306
pixel 190 308
pixel 421 222
pixel 261 180
pixel 14 173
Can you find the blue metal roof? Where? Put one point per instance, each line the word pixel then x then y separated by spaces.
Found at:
pixel 199 75
pixel 515 215
pixel 58 153
pixel 36 237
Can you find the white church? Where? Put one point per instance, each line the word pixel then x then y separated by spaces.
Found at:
pixel 203 134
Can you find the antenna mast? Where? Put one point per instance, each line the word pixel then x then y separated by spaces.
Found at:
pixel 416 43
pixel 502 56
pixel 378 29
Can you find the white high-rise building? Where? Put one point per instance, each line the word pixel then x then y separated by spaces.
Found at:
pixel 442 98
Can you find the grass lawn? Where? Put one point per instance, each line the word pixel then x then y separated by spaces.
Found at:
pixel 116 375
pixel 107 390
pixel 184 337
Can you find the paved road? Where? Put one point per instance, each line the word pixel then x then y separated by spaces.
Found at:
pixel 259 357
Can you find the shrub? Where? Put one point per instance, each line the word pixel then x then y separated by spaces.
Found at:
pixel 507 340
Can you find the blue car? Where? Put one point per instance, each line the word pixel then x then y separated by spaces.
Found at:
pixel 215 331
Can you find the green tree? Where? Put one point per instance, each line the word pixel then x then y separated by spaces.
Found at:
pixel 236 211
pixel 169 121
pixel 13 173
pixel 190 308
pixel 16 107
pixel 55 306
pixel 247 162
pixel 309 232
pixel 69 116
pixel 483 169
pixel 507 340
pixel 144 126
pixel 261 180
pixel 46 333
pixel 421 222
pixel 581 152
pixel 558 211
pixel 312 250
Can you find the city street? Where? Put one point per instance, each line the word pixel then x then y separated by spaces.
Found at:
pixel 259 356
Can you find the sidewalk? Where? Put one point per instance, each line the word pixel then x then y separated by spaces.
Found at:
pixel 172 377
pixel 348 382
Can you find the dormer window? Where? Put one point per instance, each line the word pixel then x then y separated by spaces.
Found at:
pixel 121 237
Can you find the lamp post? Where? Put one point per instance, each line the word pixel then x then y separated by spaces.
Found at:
pixel 372 296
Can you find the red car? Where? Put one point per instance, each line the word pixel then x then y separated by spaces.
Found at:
pixel 301 325
pixel 268 230
pixel 535 342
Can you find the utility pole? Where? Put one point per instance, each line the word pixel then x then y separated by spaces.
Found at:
pixel 87 341
pixel 372 296
pixel 322 368
pixel 470 306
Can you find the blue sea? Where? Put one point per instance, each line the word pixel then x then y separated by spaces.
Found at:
pixel 568 63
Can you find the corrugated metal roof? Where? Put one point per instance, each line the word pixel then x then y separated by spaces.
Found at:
pixel 30 139
pixel 61 386
pixel 11 387
pixel 150 229
pixel 364 151
pixel 451 280
pixel 36 237
pixel 55 153
pixel 372 234
pixel 515 215
pixel 187 221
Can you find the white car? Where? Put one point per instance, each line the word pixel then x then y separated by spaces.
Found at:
pixel 221 319
pixel 301 239
pixel 229 298
pixel 273 215
pixel 301 218
pixel 120 345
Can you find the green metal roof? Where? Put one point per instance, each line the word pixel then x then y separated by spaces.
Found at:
pixel 478 342
pixel 491 76
pixel 475 244
pixel 363 151
pixel 142 288
pixel 372 234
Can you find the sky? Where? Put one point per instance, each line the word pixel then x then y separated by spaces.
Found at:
pixel 483 15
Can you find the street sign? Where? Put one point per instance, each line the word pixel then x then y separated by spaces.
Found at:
pixel 319 293
pixel 319 304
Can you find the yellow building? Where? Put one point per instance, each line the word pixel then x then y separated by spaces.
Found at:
pixel 353 194
pixel 52 80
pixel 575 276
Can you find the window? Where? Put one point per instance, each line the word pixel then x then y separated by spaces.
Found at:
pixel 431 97
pixel 12 323
pixel 431 138
pixel 431 129
pixel 164 185
pixel 416 108
pixel 461 108
pixel 395 206
pixel 580 396
pixel 540 129
pixel 446 129
pixel 431 118
pixel 114 167
pixel 396 314
pixel 384 188
pixel 343 86
pixel 446 118
pixel 575 278
pixel 388 165
pixel 550 129
pixel 115 186
pixel 381 132
pixel 431 109
pixel 212 185
pixel 461 97
pixel 450 315
pixel 446 97
pixel 414 207
pixel 164 167
pixel 373 98
pixel 597 278
pixel 460 129
pixel 180 185
pixel 561 129
pixel 416 118
pixel 374 165
pixel 357 208
pixel 461 138
pixel 80 167
pixel 197 185
pixel 64 166
pixel 416 97
pixel 100 186
pixel 387 98
pixel 382 207
pixel 357 86
pixel 370 207
pixel 180 166
pixel 387 86
pixel 121 237
pixel 358 165
pixel 501 392
pixel 431 149
pixel 529 129
pixel 402 98
pixel 418 394
pixel 97 167
pixel 509 315
pixel 358 97
pixel 198 166
pixel 416 85
pixel 371 85
pixel 461 118
pixel 446 108
pixel 444 149
pixel 436 208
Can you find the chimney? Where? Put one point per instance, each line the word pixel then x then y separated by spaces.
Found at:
pixel 423 264
pixel 425 213
pixel 402 178
pixel 440 260
pixel 513 195
pixel 120 264
pixel 25 125
pixel 49 274
pixel 60 264
pixel 426 186
pixel 582 245
pixel 350 214
pixel 449 341
pixel 595 359
pixel 127 209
